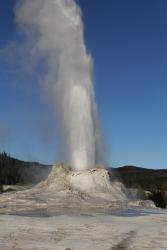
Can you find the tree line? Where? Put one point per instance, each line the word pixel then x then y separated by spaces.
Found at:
pixel 10 170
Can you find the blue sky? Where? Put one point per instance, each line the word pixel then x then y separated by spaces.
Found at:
pixel 128 43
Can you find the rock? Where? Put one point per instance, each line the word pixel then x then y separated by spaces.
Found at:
pixel 93 183
pixel 66 191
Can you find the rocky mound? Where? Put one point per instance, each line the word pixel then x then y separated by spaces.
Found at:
pixel 66 191
pixel 93 183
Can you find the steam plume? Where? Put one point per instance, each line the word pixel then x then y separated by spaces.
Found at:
pixel 55 30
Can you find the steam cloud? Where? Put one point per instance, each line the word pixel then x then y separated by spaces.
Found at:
pixel 55 30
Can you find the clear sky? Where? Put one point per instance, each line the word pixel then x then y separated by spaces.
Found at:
pixel 128 43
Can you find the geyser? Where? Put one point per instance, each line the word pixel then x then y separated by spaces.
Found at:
pixel 54 29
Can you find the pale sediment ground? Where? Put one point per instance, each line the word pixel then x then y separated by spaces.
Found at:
pixel 66 191
pixel 140 229
pixel 78 211
pixel 70 192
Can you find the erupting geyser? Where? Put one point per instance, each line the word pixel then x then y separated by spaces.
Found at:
pixel 55 30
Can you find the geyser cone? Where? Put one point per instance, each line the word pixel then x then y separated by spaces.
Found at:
pixel 55 31
pixel 66 191
pixel 93 183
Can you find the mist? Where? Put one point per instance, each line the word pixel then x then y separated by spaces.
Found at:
pixel 55 33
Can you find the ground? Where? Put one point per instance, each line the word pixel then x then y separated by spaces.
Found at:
pixel 127 229
pixel 84 210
